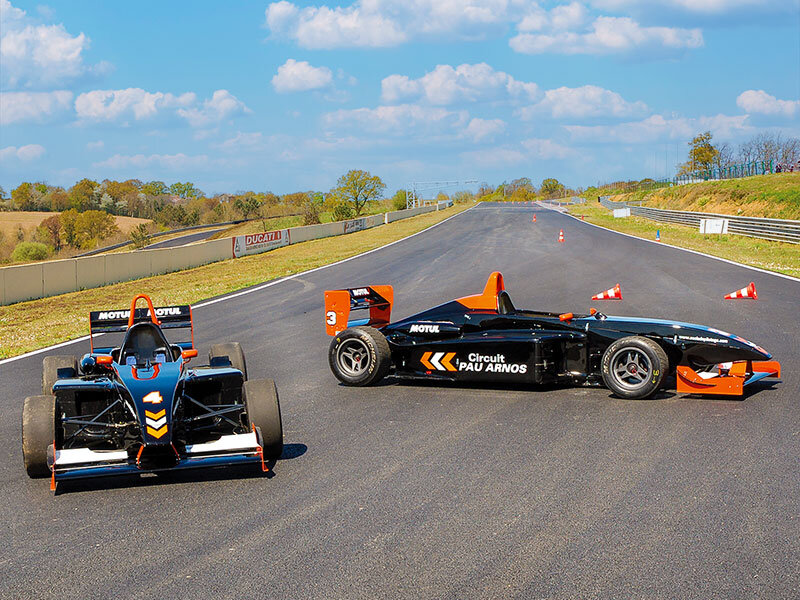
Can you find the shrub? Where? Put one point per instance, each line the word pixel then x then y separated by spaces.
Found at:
pixel 342 211
pixel 310 213
pixel 140 237
pixel 28 251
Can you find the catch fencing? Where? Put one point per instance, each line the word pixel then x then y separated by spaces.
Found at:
pixel 778 230
pixel 50 278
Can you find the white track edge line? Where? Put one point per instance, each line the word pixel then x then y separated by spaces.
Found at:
pixel 247 291
pixel 725 260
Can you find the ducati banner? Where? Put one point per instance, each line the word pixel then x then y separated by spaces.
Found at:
pixel 255 243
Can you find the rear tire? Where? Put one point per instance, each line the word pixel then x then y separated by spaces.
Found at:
pixel 264 411
pixel 360 356
pixel 38 432
pixel 50 367
pixel 634 367
pixel 234 352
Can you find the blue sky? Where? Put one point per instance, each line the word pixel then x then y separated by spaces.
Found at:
pixel 287 96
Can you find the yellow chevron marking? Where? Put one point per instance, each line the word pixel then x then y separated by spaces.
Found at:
pixel 157 415
pixel 157 433
pixel 424 361
pixel 446 361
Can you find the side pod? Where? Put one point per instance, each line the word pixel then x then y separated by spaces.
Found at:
pixel 739 374
pixel 376 299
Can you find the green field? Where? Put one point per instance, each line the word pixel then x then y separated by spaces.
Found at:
pixel 775 196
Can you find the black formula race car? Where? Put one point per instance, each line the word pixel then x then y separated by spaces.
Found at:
pixel 139 407
pixel 485 338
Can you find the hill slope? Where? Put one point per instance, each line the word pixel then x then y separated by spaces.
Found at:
pixel 775 196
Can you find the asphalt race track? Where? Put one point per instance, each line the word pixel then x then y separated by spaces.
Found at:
pixel 184 239
pixel 420 491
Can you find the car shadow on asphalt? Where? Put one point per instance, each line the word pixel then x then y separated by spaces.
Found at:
pixel 668 392
pixel 167 477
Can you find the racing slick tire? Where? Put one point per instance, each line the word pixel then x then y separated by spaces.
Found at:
pixel 264 411
pixel 38 432
pixel 634 367
pixel 50 367
pixel 360 356
pixel 234 352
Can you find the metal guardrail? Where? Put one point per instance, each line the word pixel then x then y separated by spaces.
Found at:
pixel 159 234
pixel 779 230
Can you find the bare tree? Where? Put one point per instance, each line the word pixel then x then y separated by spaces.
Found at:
pixel 724 156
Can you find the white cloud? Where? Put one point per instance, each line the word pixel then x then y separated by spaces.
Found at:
pixel 323 27
pixel 168 161
pixel 560 18
pixel 583 102
pixel 242 141
pixel 32 106
pixel 300 76
pixel 693 6
pixel 136 103
pixel 35 56
pixel 464 83
pixel 98 145
pixel 760 102
pixel 659 128
pixel 401 119
pixel 219 107
pixel 25 153
pixel 384 23
pixel 526 151
pixel 140 105
pixel 481 129
pixel 608 35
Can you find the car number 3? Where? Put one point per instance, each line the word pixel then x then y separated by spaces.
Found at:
pixel 330 317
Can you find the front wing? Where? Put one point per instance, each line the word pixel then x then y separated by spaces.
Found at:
pixel 83 463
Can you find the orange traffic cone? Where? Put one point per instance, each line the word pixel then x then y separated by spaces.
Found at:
pixel 583 218
pixel 561 236
pixel 613 294
pixel 534 219
pixel 745 292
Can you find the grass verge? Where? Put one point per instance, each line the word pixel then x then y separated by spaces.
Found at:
pixel 772 256
pixel 776 196
pixel 39 323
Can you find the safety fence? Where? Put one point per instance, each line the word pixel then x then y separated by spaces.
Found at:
pixel 779 230
pixel 50 278
pixel 732 171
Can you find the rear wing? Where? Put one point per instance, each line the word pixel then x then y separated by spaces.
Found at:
pixel 376 299
pixel 115 321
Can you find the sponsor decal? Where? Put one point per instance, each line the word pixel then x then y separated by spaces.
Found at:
pixel 259 242
pixel 113 315
pixel 422 328
pixel 697 338
pixel 355 225
pixel 359 292
pixel 156 422
pixel 475 363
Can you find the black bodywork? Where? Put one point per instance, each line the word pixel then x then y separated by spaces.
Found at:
pixel 486 338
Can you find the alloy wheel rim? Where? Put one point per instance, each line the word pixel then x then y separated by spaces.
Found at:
pixel 631 368
pixel 353 357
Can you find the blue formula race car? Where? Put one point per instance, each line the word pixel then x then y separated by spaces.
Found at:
pixel 139 407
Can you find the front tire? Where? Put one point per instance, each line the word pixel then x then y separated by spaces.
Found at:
pixel 634 367
pixel 38 432
pixel 360 356
pixel 234 352
pixel 264 411
pixel 51 365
